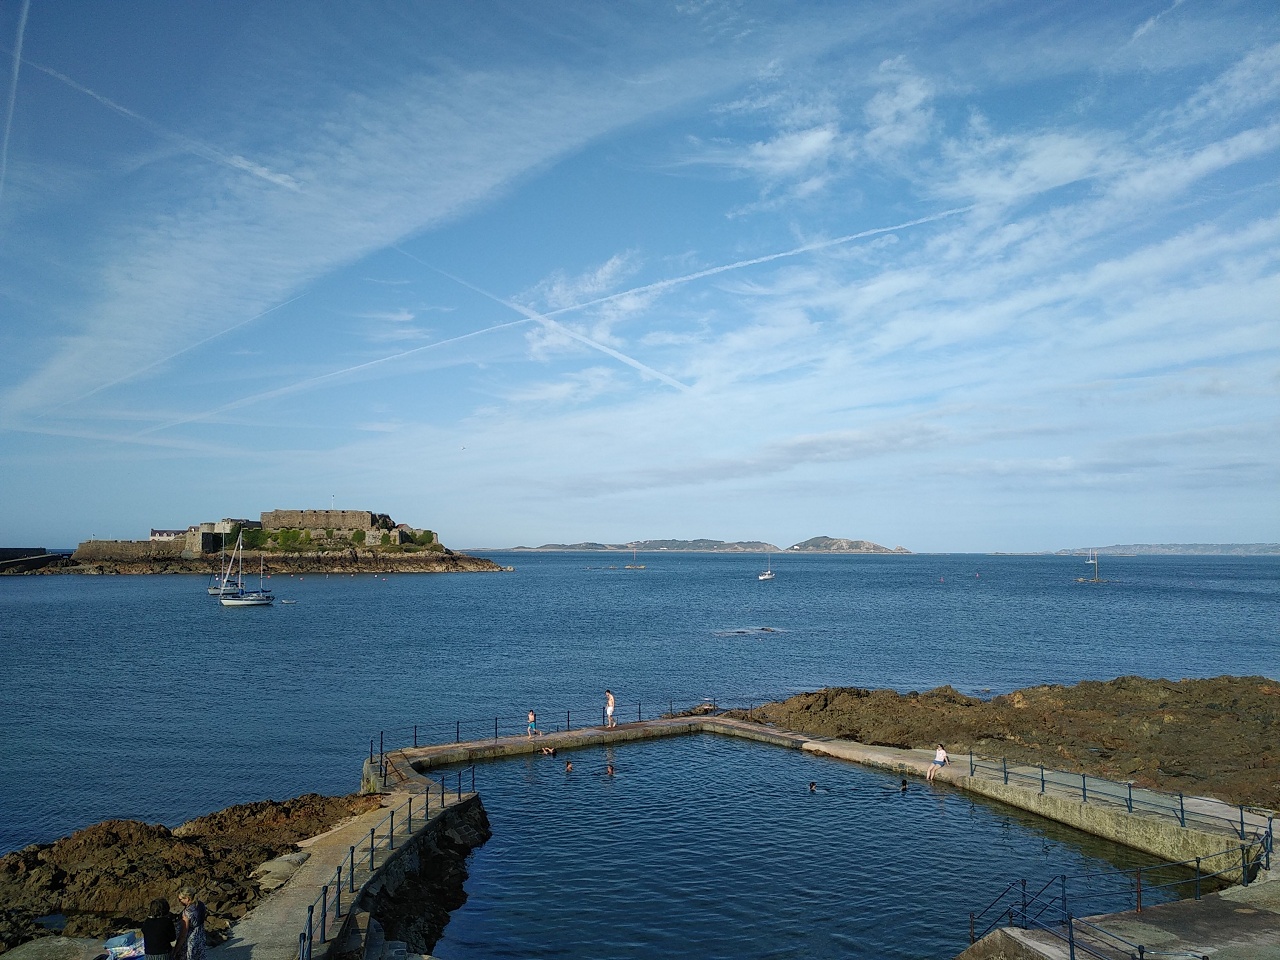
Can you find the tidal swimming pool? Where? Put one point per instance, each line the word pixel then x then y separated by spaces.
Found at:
pixel 710 847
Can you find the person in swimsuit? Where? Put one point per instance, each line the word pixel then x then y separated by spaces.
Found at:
pixel 609 704
pixel 940 759
pixel 533 725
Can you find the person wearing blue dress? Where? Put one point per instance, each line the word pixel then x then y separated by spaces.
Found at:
pixel 192 944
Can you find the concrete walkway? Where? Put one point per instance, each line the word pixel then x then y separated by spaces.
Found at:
pixel 1241 923
pixel 270 931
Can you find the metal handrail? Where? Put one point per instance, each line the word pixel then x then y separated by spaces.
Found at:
pixel 1097 790
pixel 1014 906
pixel 320 922
pixel 556 720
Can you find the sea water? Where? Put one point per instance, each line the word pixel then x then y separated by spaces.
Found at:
pixel 142 697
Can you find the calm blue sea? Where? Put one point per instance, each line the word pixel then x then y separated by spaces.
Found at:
pixel 141 697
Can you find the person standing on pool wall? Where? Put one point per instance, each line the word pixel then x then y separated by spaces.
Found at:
pixel 940 760
pixel 609 704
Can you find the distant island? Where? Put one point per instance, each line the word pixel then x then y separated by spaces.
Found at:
pixel 1179 550
pixel 812 545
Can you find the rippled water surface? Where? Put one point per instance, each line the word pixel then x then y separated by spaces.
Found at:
pixel 141 697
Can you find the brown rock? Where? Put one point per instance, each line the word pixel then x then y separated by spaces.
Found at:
pixel 104 877
pixel 1209 737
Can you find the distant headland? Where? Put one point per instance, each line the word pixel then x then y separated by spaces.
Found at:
pixel 812 545
pixel 288 541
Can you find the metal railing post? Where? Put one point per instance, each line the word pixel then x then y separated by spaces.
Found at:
pixel 567 725
pixel 302 946
pixel 310 914
pixel 473 778
pixel 1197 878
pixel 639 714
pixel 351 872
pixel 1182 810
pixel 971 766
pixel 1084 788
pixel 459 784
pixel 1042 778
pixel 1242 821
pixel 415 734
pixel 495 728
pixel 324 911
pixel 337 896
pixel 457 731
pixel 1004 769
pixel 1244 865
pixel 391 834
pixel 371 829
pixel 1129 799
pixel 1139 883
pixel 409 828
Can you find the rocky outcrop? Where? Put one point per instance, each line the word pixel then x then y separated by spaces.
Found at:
pixel 102 878
pixel 840 545
pixel 1215 737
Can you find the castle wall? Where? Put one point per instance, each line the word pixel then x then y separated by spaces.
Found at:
pixel 318 520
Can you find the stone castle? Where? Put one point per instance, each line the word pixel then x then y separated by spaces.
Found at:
pixel 320 528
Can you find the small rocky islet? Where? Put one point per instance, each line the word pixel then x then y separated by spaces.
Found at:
pixel 1205 737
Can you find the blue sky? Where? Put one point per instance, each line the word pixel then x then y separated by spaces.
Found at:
pixel 954 276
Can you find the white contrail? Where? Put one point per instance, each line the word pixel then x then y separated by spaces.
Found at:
pixel 13 94
pixel 712 271
pixel 199 343
pixel 233 160
pixel 313 381
pixel 546 321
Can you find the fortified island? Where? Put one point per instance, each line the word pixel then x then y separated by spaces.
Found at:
pixel 290 541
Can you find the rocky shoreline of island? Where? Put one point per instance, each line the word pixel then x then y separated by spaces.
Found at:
pixel 274 563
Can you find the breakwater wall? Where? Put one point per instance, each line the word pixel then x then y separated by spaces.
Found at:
pixel 95 551
pixel 410 895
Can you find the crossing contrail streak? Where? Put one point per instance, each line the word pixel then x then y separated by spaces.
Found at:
pixel 738 265
pixel 174 355
pixel 13 94
pixel 232 160
pixel 532 316
pixel 322 378
pixel 546 321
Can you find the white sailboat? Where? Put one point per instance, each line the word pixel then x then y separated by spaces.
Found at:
pixel 633 565
pixel 767 573
pixel 218 585
pixel 238 596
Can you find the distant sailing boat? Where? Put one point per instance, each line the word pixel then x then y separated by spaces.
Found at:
pixel 767 573
pixel 1093 559
pixel 239 596
pixel 633 565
